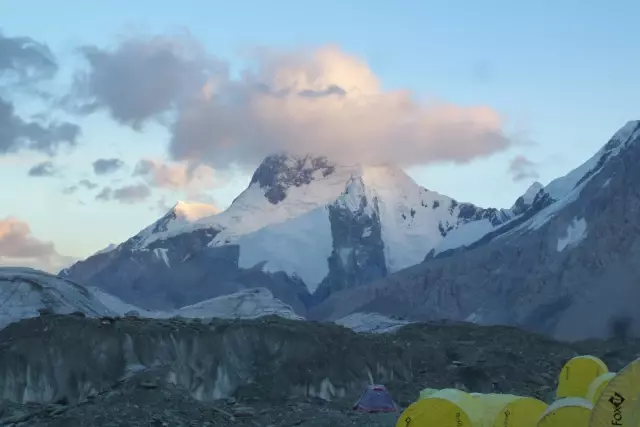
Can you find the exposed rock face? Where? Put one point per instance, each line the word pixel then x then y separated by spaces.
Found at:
pixel 279 172
pixel 358 250
pixel 48 359
pixel 568 268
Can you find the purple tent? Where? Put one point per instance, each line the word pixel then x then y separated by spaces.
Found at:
pixel 375 398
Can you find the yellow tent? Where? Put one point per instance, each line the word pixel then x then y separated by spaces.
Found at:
pixel 618 404
pixel 507 410
pixel 568 412
pixel 577 374
pixel 597 385
pixel 444 408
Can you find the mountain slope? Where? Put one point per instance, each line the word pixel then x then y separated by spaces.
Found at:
pixel 24 291
pixel 568 268
pixel 304 228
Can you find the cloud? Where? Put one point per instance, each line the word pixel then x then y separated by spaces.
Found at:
pixel 174 176
pixel 149 76
pixel 107 166
pixel 87 184
pixel 69 190
pixel 320 101
pixel 25 60
pixel 23 63
pixel 17 134
pixel 129 194
pixel 42 169
pixel 18 247
pixel 82 183
pixel 522 169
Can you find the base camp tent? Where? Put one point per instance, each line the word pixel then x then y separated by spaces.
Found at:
pixel 506 410
pixel 375 398
pixel 567 412
pixel 446 408
pixel 598 385
pixel 577 375
pixel 618 403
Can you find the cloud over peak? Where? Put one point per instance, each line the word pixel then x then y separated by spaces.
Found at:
pixel 321 101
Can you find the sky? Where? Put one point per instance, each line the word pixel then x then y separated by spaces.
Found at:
pixel 110 112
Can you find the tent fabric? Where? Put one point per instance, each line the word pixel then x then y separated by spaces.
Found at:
pixel 375 398
pixel 577 375
pixel 598 385
pixel 618 403
pixel 571 411
pixel 506 410
pixel 445 408
pixel 427 392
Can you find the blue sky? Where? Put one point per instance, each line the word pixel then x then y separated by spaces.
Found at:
pixel 562 73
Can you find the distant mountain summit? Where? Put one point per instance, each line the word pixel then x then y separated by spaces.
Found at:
pixel 305 227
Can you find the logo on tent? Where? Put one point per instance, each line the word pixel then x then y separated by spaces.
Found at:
pixel 616 400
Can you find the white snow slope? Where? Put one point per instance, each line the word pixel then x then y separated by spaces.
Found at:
pixel 371 322
pixel 294 235
pixel 23 291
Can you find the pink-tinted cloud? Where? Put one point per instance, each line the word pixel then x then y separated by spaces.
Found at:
pixel 320 101
pixel 18 247
pixel 174 176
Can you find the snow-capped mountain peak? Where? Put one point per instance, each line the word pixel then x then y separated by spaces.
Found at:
pixel 193 211
pixel 277 173
pixel 531 193
pixel 325 225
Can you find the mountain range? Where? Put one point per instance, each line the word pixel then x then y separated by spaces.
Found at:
pixel 331 240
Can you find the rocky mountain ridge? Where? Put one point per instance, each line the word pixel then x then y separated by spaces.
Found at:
pixel 567 268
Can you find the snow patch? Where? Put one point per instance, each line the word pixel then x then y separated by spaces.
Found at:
pixel 161 254
pixel 546 214
pixel 299 247
pixel 247 304
pixel 371 322
pixel 24 291
pixel 465 235
pixel 576 232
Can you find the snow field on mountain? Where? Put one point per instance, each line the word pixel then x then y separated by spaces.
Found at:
pixel 576 232
pixel 300 247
